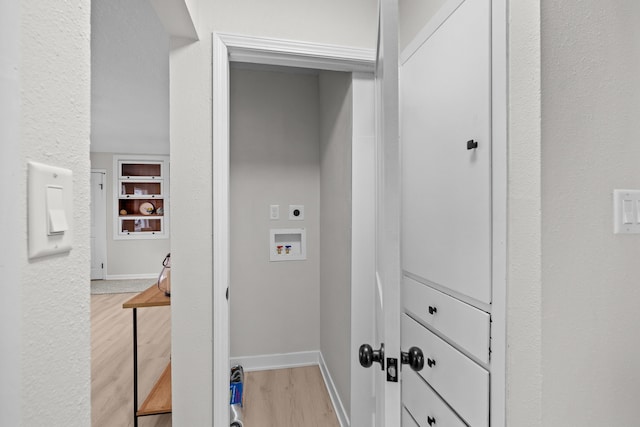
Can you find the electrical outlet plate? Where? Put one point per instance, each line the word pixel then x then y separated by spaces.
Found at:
pixel 274 212
pixel 296 212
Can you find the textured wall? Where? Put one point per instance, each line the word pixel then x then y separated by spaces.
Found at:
pixel 275 159
pixel 590 107
pixel 128 257
pixel 12 215
pixel 129 78
pixel 336 108
pixel 523 360
pixel 54 129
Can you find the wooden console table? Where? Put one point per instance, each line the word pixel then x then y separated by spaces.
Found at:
pixel 159 399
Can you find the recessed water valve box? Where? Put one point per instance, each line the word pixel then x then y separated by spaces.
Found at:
pixel 287 244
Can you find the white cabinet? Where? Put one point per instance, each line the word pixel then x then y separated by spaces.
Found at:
pixel 447 216
pixel 141 199
pixel 462 383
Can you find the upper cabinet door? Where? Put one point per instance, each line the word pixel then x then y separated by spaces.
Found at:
pixel 445 94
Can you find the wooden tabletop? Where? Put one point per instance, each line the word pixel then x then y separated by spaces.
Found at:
pixel 152 297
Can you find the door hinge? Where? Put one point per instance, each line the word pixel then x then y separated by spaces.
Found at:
pixel 392 370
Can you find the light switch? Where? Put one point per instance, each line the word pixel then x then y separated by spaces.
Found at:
pixel 55 210
pixel 626 211
pixel 50 207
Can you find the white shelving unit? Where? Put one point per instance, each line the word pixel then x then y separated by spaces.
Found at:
pixel 141 199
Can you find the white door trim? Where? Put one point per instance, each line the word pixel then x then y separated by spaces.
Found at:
pixel 228 48
pixel 102 219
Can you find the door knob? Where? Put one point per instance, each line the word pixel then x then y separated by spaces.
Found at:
pixel 368 355
pixel 414 358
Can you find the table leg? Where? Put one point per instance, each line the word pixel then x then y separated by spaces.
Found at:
pixel 135 367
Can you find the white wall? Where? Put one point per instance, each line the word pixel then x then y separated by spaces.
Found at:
pixel 127 257
pixel 523 358
pixel 413 15
pixel 336 107
pixel 350 23
pixel 590 146
pixel 45 117
pixel 129 78
pixel 12 215
pixel 275 159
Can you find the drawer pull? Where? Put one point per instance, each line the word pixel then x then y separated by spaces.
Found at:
pixel 432 310
pixel 431 421
pixel 431 363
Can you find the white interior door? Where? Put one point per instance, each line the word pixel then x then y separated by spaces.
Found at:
pixel 98 225
pixel 388 273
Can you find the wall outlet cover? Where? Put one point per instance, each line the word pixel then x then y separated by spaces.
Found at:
pixel 296 212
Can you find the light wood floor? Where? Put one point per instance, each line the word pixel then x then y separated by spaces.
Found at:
pixel 294 397
pixel 112 359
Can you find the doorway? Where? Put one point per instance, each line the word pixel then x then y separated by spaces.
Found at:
pixel 98 224
pixel 359 63
pixel 290 172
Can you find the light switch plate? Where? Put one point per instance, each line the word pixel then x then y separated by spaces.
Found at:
pixel 626 216
pixel 50 207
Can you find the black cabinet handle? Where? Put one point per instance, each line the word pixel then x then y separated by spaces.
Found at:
pixel 432 310
pixel 431 421
pixel 431 363
pixel 471 144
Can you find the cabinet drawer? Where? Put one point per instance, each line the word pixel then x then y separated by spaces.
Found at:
pixel 463 324
pixel 407 421
pixel 462 383
pixel 424 405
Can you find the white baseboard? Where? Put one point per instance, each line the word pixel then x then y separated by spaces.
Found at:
pixel 265 362
pixel 338 407
pixel 130 276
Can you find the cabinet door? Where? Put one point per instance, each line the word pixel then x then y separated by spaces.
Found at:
pixel 445 102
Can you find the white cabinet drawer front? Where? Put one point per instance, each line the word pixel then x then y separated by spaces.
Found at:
pixel 407 421
pixel 462 323
pixel 424 405
pixel 462 383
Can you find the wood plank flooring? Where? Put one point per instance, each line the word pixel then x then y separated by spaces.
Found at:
pixel 112 359
pixel 288 398
pixel 294 397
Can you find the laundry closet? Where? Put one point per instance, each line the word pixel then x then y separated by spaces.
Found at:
pixel 290 219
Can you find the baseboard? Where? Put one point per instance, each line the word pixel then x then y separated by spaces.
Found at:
pixel 338 407
pixel 130 276
pixel 265 362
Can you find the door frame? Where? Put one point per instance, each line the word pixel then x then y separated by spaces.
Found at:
pixel 257 50
pixel 103 218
